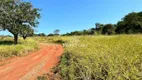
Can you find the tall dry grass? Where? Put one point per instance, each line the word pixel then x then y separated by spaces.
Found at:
pixel 102 58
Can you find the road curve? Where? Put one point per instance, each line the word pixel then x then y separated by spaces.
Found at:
pixel 32 65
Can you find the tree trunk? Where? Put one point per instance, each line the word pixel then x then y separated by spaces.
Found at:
pixel 15 39
pixel 24 37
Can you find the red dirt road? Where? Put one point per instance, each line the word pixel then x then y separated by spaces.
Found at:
pixel 33 65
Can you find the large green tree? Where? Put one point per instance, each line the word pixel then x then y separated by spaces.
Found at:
pixel 131 23
pixel 108 29
pixel 18 17
pixel 120 28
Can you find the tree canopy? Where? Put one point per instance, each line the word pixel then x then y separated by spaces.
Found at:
pixel 56 32
pixel 18 17
pixel 130 24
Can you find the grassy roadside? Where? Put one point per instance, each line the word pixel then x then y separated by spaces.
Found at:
pixel 102 58
pixel 8 49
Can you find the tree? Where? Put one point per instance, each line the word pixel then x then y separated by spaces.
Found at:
pixel 91 31
pixel 41 34
pixel 108 29
pixel 98 29
pixel 131 23
pixel 120 28
pixel 56 32
pixel 50 34
pixel 85 32
pixel 15 15
pixel 26 32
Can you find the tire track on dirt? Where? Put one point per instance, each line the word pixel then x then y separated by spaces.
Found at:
pixel 33 65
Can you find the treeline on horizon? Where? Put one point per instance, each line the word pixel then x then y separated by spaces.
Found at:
pixel 130 24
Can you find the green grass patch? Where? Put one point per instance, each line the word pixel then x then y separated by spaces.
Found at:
pixel 8 49
pixel 41 78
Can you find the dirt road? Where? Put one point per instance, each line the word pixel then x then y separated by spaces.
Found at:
pixel 32 65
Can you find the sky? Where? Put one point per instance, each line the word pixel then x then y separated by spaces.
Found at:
pixel 71 15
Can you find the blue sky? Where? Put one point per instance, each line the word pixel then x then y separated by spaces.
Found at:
pixel 71 15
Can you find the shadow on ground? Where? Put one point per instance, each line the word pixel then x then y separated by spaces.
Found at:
pixel 60 42
pixel 6 42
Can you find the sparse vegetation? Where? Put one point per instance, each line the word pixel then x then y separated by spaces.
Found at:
pixel 41 78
